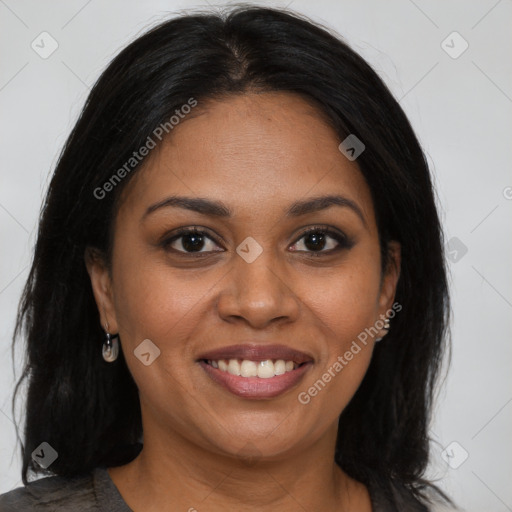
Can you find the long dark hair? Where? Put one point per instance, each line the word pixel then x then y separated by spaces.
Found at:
pixel 88 410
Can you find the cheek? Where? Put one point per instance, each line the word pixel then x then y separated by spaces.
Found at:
pixel 152 299
pixel 343 308
pixel 347 303
pixel 153 302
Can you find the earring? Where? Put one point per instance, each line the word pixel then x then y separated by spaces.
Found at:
pixel 387 325
pixel 110 349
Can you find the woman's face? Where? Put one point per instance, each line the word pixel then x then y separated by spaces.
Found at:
pixel 253 277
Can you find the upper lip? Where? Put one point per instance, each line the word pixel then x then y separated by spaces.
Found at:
pixel 257 352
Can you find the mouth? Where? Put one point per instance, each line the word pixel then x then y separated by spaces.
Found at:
pixel 256 371
pixel 246 368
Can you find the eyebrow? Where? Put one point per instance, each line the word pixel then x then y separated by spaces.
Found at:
pixel 215 208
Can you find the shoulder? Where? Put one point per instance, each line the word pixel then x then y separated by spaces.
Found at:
pixel 52 493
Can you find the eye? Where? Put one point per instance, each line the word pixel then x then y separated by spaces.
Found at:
pixel 319 239
pixel 189 241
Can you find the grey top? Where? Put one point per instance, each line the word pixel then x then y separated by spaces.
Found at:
pixel 96 492
pixel 92 492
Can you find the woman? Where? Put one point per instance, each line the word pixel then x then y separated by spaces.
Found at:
pixel 238 299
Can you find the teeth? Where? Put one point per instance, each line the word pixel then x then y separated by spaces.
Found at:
pixel 280 367
pixel 248 369
pixel 234 367
pixel 266 369
pixel 262 369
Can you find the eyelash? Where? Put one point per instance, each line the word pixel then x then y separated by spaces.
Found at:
pixel 343 241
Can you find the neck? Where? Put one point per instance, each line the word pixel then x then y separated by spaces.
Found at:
pixel 171 469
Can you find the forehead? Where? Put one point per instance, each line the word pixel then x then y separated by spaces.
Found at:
pixel 253 151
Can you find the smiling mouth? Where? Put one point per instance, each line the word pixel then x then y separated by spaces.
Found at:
pixel 247 368
pixel 255 380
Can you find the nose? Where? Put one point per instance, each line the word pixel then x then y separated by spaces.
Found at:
pixel 259 293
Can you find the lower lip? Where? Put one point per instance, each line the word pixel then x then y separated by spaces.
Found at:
pixel 256 388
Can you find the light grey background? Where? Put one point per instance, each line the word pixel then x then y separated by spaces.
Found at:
pixel 460 108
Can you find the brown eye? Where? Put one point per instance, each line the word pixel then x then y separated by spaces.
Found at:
pixel 190 240
pixel 321 240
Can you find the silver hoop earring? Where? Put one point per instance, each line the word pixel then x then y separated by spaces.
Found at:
pixel 387 326
pixel 110 349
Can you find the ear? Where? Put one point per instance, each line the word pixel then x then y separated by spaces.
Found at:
pixel 389 280
pixel 101 283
